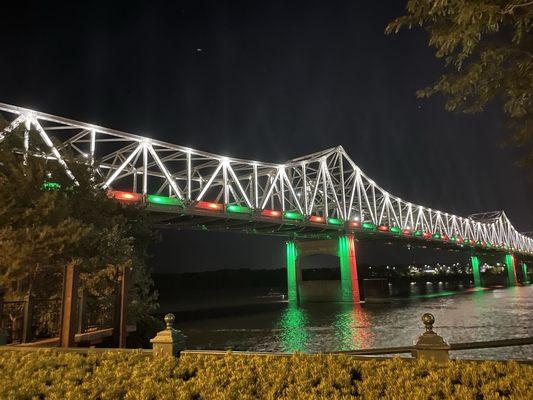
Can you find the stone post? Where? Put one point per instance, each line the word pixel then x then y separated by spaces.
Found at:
pixel 168 342
pixel 431 346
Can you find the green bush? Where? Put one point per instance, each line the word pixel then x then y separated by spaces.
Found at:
pixel 114 375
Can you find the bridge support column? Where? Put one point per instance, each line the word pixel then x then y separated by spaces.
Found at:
pixel 292 273
pixel 475 270
pixel 348 265
pixel 524 272
pixel 511 269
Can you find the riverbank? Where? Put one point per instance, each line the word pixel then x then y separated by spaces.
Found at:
pixel 118 375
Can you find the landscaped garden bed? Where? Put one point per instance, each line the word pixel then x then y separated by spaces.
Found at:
pixel 57 375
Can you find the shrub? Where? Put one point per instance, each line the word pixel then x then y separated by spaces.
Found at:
pixel 50 374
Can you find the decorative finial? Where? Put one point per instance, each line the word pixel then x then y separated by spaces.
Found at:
pixel 169 320
pixel 428 320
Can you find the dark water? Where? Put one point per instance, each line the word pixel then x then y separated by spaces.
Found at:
pixel 460 317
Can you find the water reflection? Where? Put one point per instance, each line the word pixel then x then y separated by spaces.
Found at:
pixel 352 327
pixel 294 329
pixel 470 315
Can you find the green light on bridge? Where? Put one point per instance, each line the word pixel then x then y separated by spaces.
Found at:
pixel 168 201
pixel 234 208
pixel 369 226
pixel 335 221
pixel 51 186
pixel 418 233
pixel 395 230
pixel 436 236
pixel 293 215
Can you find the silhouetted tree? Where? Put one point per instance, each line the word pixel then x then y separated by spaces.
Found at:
pixel 487 46
pixel 47 221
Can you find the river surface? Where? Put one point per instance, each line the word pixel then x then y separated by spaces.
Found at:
pixel 461 316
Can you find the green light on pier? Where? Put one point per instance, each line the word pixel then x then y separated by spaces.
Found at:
pixel 335 221
pixel 168 201
pixel 292 287
pixel 234 208
pixel 418 233
pixel 293 215
pixel 395 230
pixel 436 236
pixel 475 270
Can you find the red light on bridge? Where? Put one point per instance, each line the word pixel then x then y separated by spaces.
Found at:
pixel 271 213
pixel 459 239
pixel 427 235
pixel 383 228
pixel 444 237
pixel 317 219
pixel 206 205
pixel 355 224
pixel 125 196
pixel 406 232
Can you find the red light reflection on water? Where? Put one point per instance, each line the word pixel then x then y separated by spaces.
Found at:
pixel 353 328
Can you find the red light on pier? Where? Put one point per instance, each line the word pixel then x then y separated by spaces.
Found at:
pixel 316 219
pixel 125 196
pixel 406 232
pixel 383 228
pixel 459 239
pixel 444 237
pixel 427 235
pixel 271 213
pixel 355 224
pixel 206 205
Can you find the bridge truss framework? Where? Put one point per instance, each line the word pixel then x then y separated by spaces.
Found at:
pixel 321 192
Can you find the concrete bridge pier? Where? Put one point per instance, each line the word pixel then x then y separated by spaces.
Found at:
pixel 474 260
pixel 343 247
pixel 524 273
pixel 511 269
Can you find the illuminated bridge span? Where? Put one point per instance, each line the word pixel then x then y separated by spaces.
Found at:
pixel 324 194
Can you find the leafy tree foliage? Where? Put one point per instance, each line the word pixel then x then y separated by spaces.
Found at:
pixel 42 229
pixel 487 47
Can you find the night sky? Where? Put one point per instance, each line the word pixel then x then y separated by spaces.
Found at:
pixel 267 80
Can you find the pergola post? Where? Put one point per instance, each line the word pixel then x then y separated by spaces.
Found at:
pixel 69 306
pixel 27 322
pixel 119 320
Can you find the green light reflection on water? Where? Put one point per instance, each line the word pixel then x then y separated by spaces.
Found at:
pixel 442 293
pixel 294 332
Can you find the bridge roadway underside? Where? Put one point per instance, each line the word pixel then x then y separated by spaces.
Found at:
pixel 202 220
pixel 328 239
